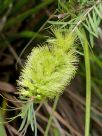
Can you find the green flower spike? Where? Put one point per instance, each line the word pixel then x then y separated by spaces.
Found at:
pixel 48 70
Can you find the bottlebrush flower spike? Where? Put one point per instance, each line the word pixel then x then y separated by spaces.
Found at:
pixel 47 71
pixel 49 68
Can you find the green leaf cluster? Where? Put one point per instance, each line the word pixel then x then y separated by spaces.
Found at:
pixel 85 14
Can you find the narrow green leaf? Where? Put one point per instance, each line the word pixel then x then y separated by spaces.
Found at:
pixel 92 24
pixel 98 12
pixel 91 40
pixel 88 28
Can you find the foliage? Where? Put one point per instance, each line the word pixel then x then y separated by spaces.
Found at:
pixel 89 17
